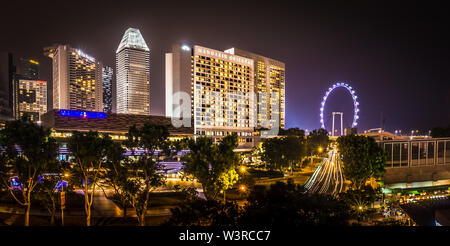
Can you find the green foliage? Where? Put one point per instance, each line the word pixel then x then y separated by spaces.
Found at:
pixel 200 212
pixel 362 158
pixel 228 179
pixel 440 132
pixel 142 176
pixel 89 151
pixel 258 173
pixel 391 222
pixel 283 153
pixel 145 179
pixel 189 193
pixel 361 199
pixel 116 175
pixel 28 152
pixel 286 205
pixel 317 139
pixel 292 132
pixel 47 196
pixel 213 165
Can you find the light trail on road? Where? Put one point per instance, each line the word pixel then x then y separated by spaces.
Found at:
pixel 328 177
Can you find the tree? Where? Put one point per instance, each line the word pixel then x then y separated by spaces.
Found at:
pixel 213 165
pixel 29 151
pixel 360 200
pixel 391 222
pixel 440 132
pixel 283 153
pixel 272 153
pixel 362 159
pixel 145 175
pixel 292 132
pixel 117 175
pixel 48 196
pixel 294 150
pixel 199 212
pixel 317 139
pixel 89 152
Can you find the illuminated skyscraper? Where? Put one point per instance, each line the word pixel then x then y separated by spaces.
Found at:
pixel 220 89
pixel 77 80
pixel 107 89
pixel 270 79
pixel 133 74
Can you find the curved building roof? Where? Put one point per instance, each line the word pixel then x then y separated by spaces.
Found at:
pixel 132 39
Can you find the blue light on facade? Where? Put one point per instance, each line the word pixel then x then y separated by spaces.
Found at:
pixel 61 183
pixel 83 114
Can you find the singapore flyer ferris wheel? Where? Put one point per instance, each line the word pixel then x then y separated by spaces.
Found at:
pixel 355 103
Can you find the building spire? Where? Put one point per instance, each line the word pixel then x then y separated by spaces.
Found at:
pixel 132 39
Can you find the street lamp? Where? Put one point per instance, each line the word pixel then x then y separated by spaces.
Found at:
pixel 242 169
pixel 242 188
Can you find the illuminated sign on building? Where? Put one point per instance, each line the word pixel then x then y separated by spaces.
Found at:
pixel 224 55
pixel 34 62
pixel 83 114
pixel 82 54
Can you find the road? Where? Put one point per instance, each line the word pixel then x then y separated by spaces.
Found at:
pixel 328 177
pixel 101 207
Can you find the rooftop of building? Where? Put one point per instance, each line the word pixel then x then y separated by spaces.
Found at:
pixel 132 39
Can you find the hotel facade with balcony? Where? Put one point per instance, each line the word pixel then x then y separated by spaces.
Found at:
pixel 214 89
pixel 77 79
pixel 269 87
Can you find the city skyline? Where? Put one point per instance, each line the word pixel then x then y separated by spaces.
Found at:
pixel 389 70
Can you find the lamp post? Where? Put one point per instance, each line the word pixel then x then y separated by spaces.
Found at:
pixel 242 188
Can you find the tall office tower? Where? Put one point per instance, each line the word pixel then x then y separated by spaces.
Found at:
pixel 133 74
pixel 107 89
pixel 77 79
pixel 29 68
pixel 270 79
pixel 29 98
pixel 220 86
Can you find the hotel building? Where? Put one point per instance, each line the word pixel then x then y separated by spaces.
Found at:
pixel 77 79
pixel 269 87
pixel 133 74
pixel 220 88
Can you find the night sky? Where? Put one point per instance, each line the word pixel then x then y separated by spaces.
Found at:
pixel 395 56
